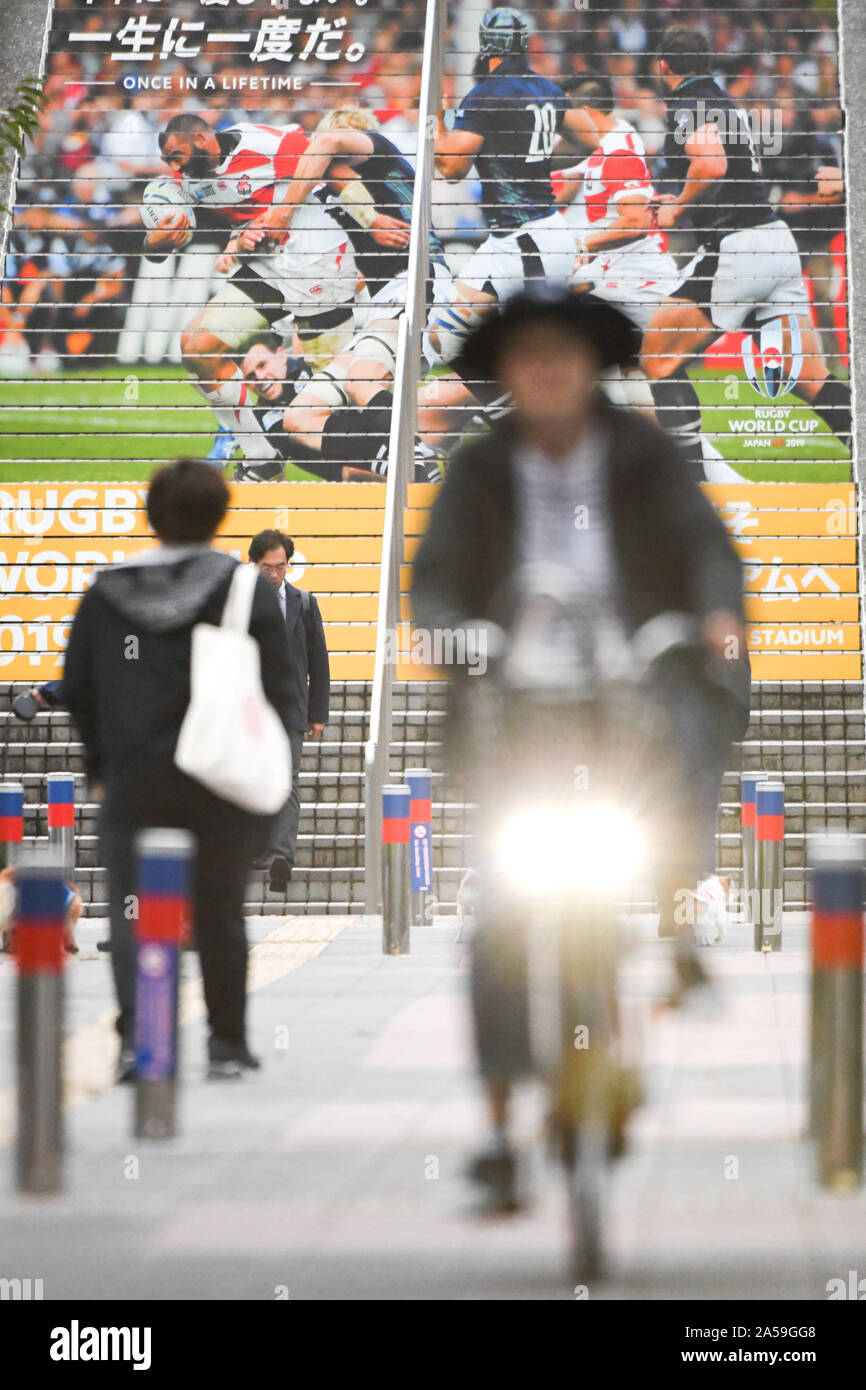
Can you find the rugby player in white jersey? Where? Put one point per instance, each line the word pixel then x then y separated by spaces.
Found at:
pixel 607 199
pixel 310 273
pixel 341 417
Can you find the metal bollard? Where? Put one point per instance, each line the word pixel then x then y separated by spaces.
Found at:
pixel 836 1069
pixel 164 858
pixel 396 907
pixel 39 948
pixel 11 823
pixel 420 780
pixel 748 783
pixel 61 818
pixel 770 845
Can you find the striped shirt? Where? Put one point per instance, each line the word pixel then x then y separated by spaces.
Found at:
pixel 568 631
pixel 564 520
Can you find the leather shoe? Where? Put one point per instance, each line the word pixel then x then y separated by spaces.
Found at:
pixel 228 1061
pixel 280 875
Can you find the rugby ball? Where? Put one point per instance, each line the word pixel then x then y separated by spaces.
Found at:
pixel 161 197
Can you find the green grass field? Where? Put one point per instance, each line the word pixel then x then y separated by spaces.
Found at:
pixel 113 425
pixel 117 424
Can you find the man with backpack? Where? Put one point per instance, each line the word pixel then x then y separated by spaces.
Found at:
pixel 307 712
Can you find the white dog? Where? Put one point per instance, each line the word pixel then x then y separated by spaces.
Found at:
pixel 711 910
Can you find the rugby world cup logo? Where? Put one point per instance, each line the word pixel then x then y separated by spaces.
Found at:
pixel 771 367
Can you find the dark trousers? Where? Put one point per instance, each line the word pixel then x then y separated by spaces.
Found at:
pixel 699 755
pixel 284 835
pixel 228 840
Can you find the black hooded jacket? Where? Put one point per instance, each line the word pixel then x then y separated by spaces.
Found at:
pixel 127 674
pixel 671 549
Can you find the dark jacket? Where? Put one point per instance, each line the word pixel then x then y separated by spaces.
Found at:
pixel 672 551
pixel 127 674
pixel 310 686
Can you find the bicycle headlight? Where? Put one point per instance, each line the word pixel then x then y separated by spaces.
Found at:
pixel 544 851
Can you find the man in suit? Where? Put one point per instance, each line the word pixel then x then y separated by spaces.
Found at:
pixel 307 711
pixel 570 481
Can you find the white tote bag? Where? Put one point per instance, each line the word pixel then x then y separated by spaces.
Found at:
pixel 231 739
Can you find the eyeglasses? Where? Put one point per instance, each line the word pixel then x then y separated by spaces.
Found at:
pixel 275 569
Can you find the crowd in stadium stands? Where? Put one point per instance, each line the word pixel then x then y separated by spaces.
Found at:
pixel 77 231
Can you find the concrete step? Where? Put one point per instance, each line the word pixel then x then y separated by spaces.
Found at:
pixel 810 736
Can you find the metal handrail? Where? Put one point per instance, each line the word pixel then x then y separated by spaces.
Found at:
pixel 404 418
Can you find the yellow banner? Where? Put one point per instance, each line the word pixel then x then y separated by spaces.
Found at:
pixel 32 608
pixel 104 524
pixel 67 567
pixel 785 637
pixel 817 666
pixel 34 667
pixel 799 565
pixel 776 608
pixel 363 608
pixel 75 497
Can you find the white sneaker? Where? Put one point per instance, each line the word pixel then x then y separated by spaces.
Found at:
pixel 711 911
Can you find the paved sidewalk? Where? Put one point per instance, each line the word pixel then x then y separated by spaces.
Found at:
pixel 336 1172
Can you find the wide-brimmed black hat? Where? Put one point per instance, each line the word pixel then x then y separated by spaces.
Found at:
pixel 607 331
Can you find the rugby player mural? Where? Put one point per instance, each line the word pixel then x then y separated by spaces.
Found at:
pixel 211 235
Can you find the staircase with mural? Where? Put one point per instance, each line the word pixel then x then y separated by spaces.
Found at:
pixel 799 546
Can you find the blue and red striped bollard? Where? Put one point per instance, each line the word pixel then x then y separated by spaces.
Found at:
pixel 836 1071
pixel 396 909
pixel 61 817
pixel 770 844
pixel 11 822
pixel 39 925
pixel 420 782
pixel 164 876
pixel 748 785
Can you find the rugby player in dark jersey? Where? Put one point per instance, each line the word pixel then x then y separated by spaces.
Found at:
pixel 276 377
pixel 506 128
pixel 273 373
pixel 749 273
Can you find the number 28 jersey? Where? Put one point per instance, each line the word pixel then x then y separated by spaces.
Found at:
pixel 519 114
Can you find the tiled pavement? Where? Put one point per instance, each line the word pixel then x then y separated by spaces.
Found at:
pixel 336 1172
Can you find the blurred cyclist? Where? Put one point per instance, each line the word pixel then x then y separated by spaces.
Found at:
pixel 649 543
